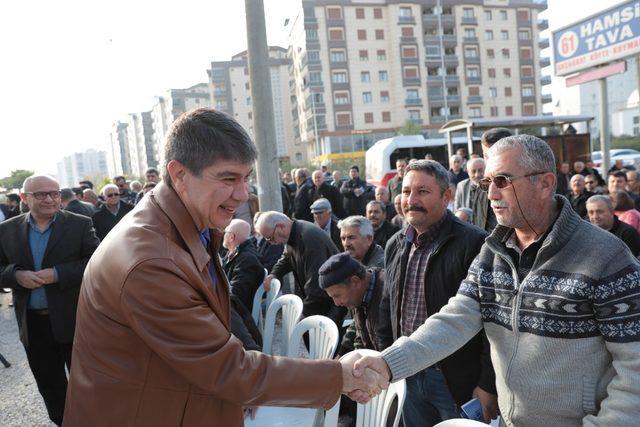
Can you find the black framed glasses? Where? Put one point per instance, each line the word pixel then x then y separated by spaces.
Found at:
pixel 503 181
pixel 42 195
pixel 273 235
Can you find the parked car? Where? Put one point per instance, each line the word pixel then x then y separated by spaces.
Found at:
pixel 627 155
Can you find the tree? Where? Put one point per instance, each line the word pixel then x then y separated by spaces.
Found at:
pixel 410 128
pixel 15 180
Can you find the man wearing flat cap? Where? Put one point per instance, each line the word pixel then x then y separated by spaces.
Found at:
pixel 323 217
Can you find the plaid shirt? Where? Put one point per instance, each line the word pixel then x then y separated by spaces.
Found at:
pixel 413 309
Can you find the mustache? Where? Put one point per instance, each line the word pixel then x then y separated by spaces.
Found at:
pixel 499 204
pixel 415 208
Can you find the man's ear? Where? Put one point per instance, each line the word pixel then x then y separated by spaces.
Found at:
pixel 177 172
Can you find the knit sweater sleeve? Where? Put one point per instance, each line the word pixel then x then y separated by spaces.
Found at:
pixel 441 334
pixel 616 301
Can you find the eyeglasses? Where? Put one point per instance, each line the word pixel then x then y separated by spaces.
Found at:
pixel 112 195
pixel 42 195
pixel 273 235
pixel 503 181
pixel 589 182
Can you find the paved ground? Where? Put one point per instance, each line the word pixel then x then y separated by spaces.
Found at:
pixel 20 402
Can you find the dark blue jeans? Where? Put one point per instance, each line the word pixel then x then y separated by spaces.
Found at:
pixel 428 400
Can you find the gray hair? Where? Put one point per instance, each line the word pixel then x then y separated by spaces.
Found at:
pixel 467 211
pixel 109 187
pixel 67 194
pixel 600 198
pixel 536 155
pixel 363 224
pixel 433 168
pixel 379 203
pixel 270 219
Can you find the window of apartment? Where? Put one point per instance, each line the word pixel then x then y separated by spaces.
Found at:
pixel 359 13
pixel 454 111
pixel 504 35
pixel 248 100
pixel 474 91
pixel 407 31
pixel 507 91
pixel 410 72
pixel 487 15
pixel 247 86
pixel 364 55
pixel 472 72
pixel 343 119
pixel 475 112
pixel 315 76
pixel 506 54
pixel 362 34
pixel 384 96
pixel 527 71
pixel 448 32
pixel 377 13
pixel 298 157
pixel 382 55
pixel 334 13
pixel 383 76
pixel 433 71
pixel 508 110
pixel 336 34
pixel 409 52
pixel 368 117
pixel 435 90
pixel 528 109
pixel 412 94
pixel 452 91
pixel 451 71
pixel 467 12
pixel 449 50
pixel 436 111
pixel 523 15
pixel 313 55
pixel 428 10
pixel 491 54
pixel 636 120
pixel 432 50
pixel 341 98
pixel 317 98
pixel 447 10
pixel 506 72
pixel 524 35
pixel 312 34
pixel 386 116
pixel 488 35
pixel 469 33
pixel 525 53
pixel 527 90
pixel 246 71
pixel 503 15
pixel 493 92
pixel 414 115
pixel 338 55
pixel 492 73
pixel 379 34
pixel 249 115
pixel 405 11
pixel 367 98
pixel 365 77
pixel 494 111
pixel 339 77
pixel 470 52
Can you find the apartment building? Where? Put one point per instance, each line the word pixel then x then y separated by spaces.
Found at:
pixel 118 158
pixel 90 164
pixel 361 70
pixel 140 143
pixel 230 92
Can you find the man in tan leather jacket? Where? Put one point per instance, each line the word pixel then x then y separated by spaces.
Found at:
pixel 152 344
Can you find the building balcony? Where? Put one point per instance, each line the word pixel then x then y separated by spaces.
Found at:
pixel 433 21
pixel 339 65
pixel 434 79
pixel 471 60
pixel 543 44
pixel 469 20
pixel 404 20
pixel 525 42
pixel 313 44
pixel 317 83
pixel 474 100
pixel 545 62
pixel 342 107
pixel 526 61
pixel 470 40
pixel 411 81
pixel 340 86
pixel 335 22
pixel 452 78
pixel 545 80
pixel 310 19
pixel 337 44
pixel 543 24
pixel 405 60
pixel 437 119
pixel 529 98
pixel 446 38
pixel 413 101
pixel 547 98
pixel 416 121
pixel 407 39
pixel 523 23
pixel 526 79
pixel 473 80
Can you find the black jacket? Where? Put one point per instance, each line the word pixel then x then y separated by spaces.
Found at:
pixel 104 221
pixel 627 234
pixel 8 212
pixel 579 204
pixel 456 247
pixel 356 205
pixel 332 194
pixel 245 272
pixel 366 318
pixel 335 235
pixel 302 203
pixel 382 235
pixel 307 249
pixel 243 327
pixel 267 253
pixel 71 244
pixel 81 208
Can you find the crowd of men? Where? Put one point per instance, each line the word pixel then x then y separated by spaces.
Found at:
pixel 504 278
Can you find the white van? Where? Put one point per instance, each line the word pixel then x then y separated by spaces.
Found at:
pixel 381 157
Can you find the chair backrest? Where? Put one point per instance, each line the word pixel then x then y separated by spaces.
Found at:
pixel 460 422
pixel 376 412
pixel 256 311
pixel 291 306
pixel 323 337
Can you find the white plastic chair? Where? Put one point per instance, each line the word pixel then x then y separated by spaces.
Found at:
pixel 323 337
pixel 376 412
pixel 460 422
pixel 291 306
pixel 256 311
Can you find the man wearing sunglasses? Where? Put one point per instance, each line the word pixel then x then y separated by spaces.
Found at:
pixel 556 296
pixel 111 212
pixel 43 255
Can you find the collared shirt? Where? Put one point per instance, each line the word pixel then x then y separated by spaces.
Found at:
pixel 524 259
pixel 38 240
pixel 206 241
pixel 413 311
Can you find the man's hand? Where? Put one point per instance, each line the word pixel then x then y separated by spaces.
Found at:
pixel 368 382
pixel 489 403
pixel 48 275
pixel 365 363
pixel 267 282
pixel 28 279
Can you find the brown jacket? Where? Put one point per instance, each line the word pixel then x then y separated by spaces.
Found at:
pixel 152 344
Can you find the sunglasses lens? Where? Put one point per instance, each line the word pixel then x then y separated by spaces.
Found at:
pixel 500 181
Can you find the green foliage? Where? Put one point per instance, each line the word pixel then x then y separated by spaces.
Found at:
pixel 410 128
pixel 15 180
pixel 626 141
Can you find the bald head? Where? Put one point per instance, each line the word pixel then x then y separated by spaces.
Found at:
pixel 32 183
pixel 41 193
pixel 382 194
pixel 236 233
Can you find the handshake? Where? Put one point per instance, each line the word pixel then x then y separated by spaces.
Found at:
pixel 363 377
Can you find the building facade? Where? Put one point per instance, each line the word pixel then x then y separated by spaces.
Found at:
pixel 230 92
pixel 118 157
pixel 90 164
pixel 141 143
pixel 360 71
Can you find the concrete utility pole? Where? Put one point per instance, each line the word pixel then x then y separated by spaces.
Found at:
pixel 264 128
pixel 605 143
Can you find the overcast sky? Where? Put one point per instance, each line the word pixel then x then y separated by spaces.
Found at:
pixel 70 68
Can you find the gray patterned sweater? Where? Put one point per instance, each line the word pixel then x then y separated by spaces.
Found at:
pixel 565 341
